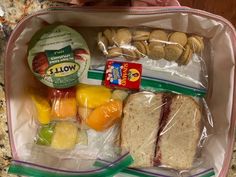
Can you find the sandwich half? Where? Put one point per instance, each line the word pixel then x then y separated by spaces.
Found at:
pixel 179 133
pixel 140 127
pixel 161 129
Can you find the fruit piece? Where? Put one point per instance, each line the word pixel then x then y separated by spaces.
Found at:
pixel 82 138
pixel 45 134
pixel 92 96
pixel 119 95
pixel 43 108
pixel 84 112
pixel 63 103
pixel 65 135
pixel 40 63
pixel 105 116
pixel 64 108
pixel 78 54
pixel 61 93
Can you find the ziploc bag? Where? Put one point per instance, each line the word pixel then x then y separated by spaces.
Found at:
pixel 160 129
pixel 165 134
pixel 50 138
pixel 56 129
pixel 167 57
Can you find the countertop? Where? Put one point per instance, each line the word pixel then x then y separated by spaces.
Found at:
pixel 14 10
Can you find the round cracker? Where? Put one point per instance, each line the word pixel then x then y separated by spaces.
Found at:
pixel 139 35
pixel 102 43
pixel 130 54
pixel 109 34
pixel 123 37
pixel 114 52
pixel 179 38
pixel 173 52
pixel 184 57
pixel 195 44
pixel 141 47
pixel 158 36
pixel 200 39
pixel 190 55
pixel 157 52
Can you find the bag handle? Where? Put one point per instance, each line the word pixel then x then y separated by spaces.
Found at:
pixel 155 3
pixel 122 2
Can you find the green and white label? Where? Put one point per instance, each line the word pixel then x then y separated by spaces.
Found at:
pixel 58 56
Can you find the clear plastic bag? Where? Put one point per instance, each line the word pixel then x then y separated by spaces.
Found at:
pixel 165 131
pixel 76 126
pixel 155 44
pixel 167 57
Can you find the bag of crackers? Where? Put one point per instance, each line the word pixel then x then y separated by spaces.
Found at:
pixel 147 91
pixel 170 56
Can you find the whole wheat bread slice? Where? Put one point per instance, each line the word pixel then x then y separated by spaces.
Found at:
pixel 140 127
pixel 180 135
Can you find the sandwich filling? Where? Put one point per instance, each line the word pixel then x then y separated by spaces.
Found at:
pixel 164 117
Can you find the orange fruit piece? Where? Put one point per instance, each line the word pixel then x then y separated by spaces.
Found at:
pixel 105 115
pixel 63 108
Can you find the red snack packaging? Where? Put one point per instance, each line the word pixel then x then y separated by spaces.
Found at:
pixel 124 75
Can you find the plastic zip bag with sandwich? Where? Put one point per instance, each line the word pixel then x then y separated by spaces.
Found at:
pixel 165 131
pixel 161 129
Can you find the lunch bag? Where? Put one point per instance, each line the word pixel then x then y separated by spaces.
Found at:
pixel 217 92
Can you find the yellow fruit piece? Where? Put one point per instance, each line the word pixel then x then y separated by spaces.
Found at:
pixel 92 96
pixel 105 116
pixel 63 108
pixel 65 135
pixel 43 109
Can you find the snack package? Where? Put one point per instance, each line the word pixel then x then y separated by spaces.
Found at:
pixel 58 56
pixel 123 75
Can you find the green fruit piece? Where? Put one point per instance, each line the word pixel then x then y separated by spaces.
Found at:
pixel 82 138
pixel 45 133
